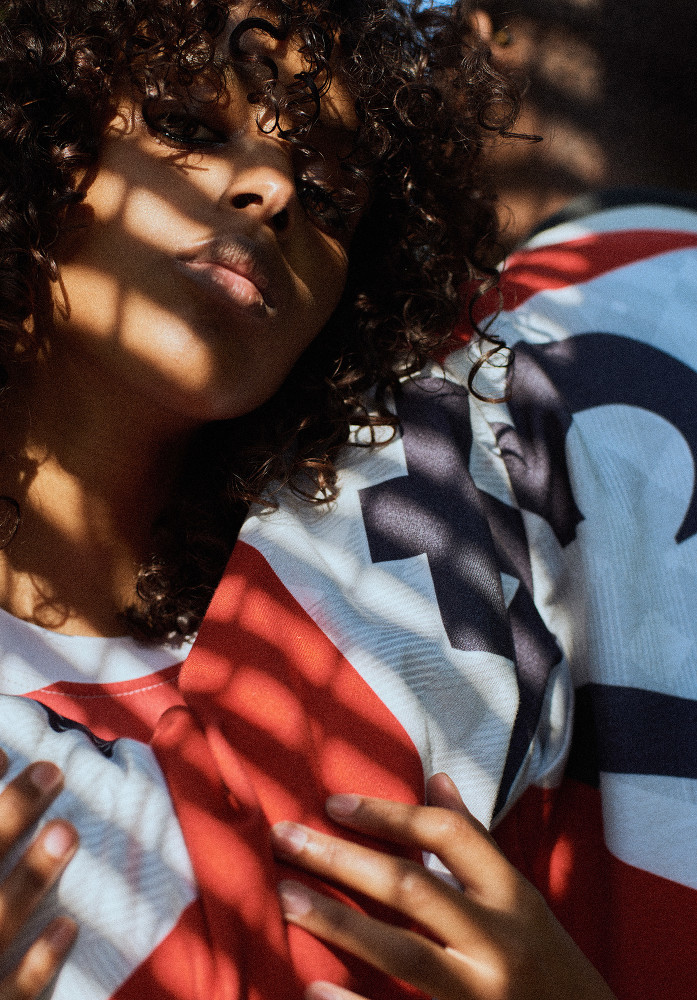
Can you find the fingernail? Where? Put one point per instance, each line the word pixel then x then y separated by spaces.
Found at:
pixel 295 899
pixel 61 934
pixel 442 791
pixel 342 806
pixel 326 991
pixel 58 840
pixel 290 837
pixel 45 777
pixel 448 780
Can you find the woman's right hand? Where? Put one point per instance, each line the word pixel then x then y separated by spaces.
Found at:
pixel 493 939
pixel 21 805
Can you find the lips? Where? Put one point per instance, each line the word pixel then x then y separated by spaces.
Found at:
pixel 236 272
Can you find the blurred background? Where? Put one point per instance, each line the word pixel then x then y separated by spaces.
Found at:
pixel 610 86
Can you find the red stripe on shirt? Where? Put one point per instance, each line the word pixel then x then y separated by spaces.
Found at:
pixel 128 709
pixel 287 721
pixel 561 265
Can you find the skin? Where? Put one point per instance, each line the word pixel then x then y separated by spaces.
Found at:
pixel 494 940
pixel 590 99
pixel 21 805
pixel 143 346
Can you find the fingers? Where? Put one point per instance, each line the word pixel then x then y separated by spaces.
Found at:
pixel 21 804
pixel 398 952
pixel 401 884
pixel 33 876
pixel 25 799
pixel 442 791
pixel 327 991
pixel 455 836
pixel 41 962
pixel 497 939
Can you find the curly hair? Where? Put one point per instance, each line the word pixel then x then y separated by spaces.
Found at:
pixel 425 95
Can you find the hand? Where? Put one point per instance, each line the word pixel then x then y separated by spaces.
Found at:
pixel 495 940
pixel 21 804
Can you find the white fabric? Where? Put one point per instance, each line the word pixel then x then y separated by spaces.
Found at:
pixel 131 877
pixel 32 657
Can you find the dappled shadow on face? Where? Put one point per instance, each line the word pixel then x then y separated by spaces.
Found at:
pixel 178 302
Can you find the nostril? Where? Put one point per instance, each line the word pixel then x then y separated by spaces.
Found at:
pixel 281 220
pixel 248 198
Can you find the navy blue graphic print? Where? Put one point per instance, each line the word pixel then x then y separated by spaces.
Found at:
pixel 553 381
pixel 626 730
pixel 469 537
pixel 61 724
pixel 617 729
pixel 536 648
pixel 436 509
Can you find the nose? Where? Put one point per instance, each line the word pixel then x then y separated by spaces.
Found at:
pixel 263 180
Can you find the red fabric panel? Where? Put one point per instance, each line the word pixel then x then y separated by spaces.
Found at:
pixel 287 721
pixel 179 968
pixel 128 708
pixel 268 719
pixel 636 928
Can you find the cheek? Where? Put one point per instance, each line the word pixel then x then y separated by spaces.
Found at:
pixel 325 266
pixel 120 304
pixel 175 357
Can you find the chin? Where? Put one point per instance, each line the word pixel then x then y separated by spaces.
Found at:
pixel 199 408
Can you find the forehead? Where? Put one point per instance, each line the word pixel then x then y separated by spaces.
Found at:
pixel 259 45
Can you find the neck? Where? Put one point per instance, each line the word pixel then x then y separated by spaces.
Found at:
pixel 90 471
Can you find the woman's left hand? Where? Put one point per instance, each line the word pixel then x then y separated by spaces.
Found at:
pixel 495 940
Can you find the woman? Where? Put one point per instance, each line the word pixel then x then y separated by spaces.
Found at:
pixel 229 232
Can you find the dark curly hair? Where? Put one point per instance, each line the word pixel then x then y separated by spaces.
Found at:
pixel 425 95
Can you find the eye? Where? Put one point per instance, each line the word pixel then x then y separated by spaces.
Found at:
pixel 321 206
pixel 181 125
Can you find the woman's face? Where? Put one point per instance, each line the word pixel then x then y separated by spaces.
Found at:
pixel 191 276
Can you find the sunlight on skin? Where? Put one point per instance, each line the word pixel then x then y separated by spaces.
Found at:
pixel 150 202
pixel 571 66
pixel 191 279
pixel 144 210
pixel 111 297
pixel 576 150
pixel 494 938
pixel 583 4
pixel 117 308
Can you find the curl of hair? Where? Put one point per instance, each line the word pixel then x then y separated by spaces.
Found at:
pixel 426 95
